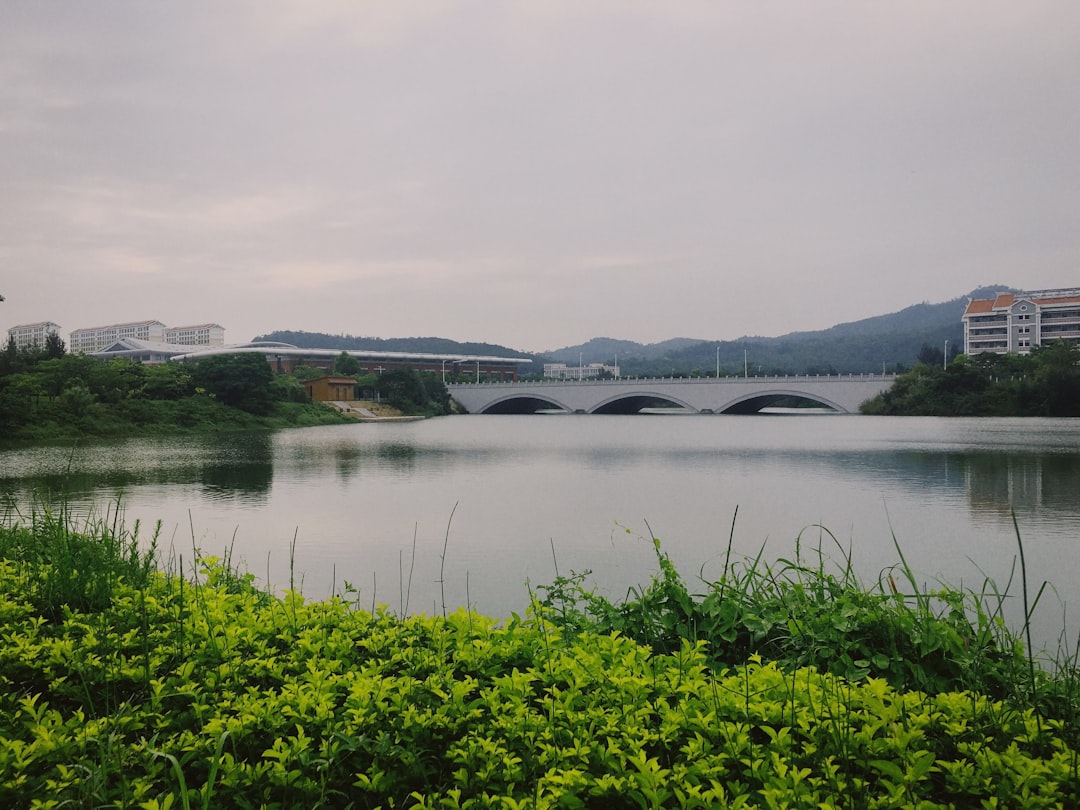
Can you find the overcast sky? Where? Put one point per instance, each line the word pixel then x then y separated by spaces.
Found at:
pixel 532 174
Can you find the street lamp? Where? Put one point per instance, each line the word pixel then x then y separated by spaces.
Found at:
pixel 945 361
pixel 718 361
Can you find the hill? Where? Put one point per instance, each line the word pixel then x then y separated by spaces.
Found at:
pixel 892 341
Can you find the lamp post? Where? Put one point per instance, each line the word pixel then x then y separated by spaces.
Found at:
pixel 718 361
pixel 945 361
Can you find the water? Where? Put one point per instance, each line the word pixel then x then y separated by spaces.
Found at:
pixel 468 510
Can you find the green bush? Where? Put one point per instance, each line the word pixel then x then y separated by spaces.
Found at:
pixel 196 688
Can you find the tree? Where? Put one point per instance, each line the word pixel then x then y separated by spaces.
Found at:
pixel 931 355
pixel 9 358
pixel 238 380
pixel 414 392
pixel 346 364
pixel 1058 376
pixel 54 346
pixel 167 381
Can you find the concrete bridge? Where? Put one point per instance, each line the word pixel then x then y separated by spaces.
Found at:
pixel 734 395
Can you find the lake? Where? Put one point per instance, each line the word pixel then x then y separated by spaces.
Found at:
pixel 475 509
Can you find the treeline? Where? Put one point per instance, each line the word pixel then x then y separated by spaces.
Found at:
pixel 409 391
pixel 1043 383
pixel 46 393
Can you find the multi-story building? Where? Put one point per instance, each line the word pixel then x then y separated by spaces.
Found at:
pixel 1018 322
pixel 561 371
pixel 206 334
pixel 32 335
pixel 98 337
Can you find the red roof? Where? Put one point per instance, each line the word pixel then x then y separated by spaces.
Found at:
pixel 1070 299
pixel 977 306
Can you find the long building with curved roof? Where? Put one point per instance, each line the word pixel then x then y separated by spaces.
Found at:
pixel 285 357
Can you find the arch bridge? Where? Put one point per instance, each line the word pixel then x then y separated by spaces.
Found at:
pixel 730 395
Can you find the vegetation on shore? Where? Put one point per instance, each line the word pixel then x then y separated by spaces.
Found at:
pixel 1043 383
pixel 122 685
pixel 49 394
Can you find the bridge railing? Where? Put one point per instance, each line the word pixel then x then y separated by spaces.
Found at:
pixel 757 378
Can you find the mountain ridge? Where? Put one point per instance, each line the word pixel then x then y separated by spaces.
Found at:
pixel 893 340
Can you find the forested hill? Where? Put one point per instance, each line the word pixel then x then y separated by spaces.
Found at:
pixel 893 341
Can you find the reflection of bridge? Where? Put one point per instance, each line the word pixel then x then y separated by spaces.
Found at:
pixel 842 394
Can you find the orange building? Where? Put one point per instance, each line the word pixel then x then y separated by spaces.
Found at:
pixel 332 389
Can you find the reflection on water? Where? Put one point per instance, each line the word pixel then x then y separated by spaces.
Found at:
pixel 1033 484
pixel 233 467
pixel 530 492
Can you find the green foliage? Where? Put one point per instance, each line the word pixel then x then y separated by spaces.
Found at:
pixel 167 381
pixel 346 364
pixel 414 392
pixel 54 346
pixel 238 380
pixel 78 395
pixel 196 688
pixel 303 373
pixel 75 567
pixel 801 613
pixel 287 388
pixel 1044 383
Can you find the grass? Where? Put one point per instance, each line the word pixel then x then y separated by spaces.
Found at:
pixel 810 611
pixel 781 684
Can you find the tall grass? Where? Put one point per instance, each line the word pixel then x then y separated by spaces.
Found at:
pixel 812 609
pixel 75 562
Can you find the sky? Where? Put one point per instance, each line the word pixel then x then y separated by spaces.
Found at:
pixel 531 174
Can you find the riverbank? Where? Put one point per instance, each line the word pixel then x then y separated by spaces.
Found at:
pixel 192 416
pixel 125 685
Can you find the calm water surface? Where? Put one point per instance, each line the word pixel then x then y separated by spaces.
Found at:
pixel 512 497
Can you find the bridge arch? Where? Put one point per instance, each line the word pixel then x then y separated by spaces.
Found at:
pixel 753 403
pixel 522 403
pixel 633 402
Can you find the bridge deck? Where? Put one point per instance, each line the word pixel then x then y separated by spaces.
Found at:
pixel 841 393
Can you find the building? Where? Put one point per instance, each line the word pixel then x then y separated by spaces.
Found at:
pixel 32 335
pixel 561 371
pixel 149 352
pixel 206 334
pixel 87 341
pixel 100 338
pixel 284 357
pixel 332 389
pixel 1018 322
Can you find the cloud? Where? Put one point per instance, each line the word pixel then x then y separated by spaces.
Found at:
pixel 460 164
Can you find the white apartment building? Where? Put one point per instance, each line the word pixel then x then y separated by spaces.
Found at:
pixel 86 341
pixel 561 371
pixel 97 338
pixel 206 334
pixel 1017 322
pixel 31 335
